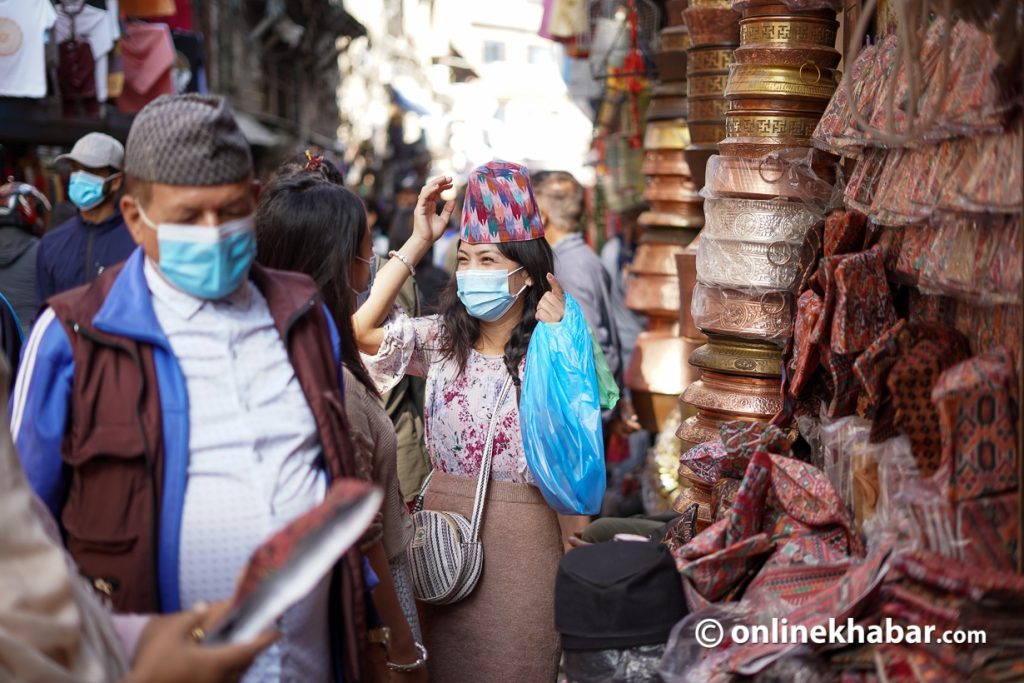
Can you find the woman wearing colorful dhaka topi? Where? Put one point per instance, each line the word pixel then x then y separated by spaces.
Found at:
pixel 504 630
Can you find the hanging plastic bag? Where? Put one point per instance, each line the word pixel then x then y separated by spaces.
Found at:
pixel 607 387
pixel 560 415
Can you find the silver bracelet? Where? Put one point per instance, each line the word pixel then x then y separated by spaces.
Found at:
pixel 405 261
pixel 418 664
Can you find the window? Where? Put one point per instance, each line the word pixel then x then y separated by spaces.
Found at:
pixel 494 51
pixel 539 54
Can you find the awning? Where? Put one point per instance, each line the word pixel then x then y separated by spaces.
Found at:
pixel 255 132
pixel 410 97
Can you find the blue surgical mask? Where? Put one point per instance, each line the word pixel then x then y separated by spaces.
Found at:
pixel 485 293
pixel 361 297
pixel 87 190
pixel 208 263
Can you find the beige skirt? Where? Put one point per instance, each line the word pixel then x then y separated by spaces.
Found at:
pixel 504 632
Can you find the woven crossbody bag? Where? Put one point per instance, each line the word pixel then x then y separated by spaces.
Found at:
pixel 446 554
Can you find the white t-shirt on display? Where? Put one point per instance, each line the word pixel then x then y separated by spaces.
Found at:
pixel 93 26
pixel 23 25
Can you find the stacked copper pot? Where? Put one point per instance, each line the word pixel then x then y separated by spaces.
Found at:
pixel 764 201
pixel 714 34
pixel 657 372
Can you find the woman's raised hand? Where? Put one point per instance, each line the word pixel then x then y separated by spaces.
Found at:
pixel 428 225
pixel 551 308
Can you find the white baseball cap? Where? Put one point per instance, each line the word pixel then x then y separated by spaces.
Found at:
pixel 96 150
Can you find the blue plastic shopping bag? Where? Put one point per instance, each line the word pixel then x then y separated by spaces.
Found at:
pixel 560 415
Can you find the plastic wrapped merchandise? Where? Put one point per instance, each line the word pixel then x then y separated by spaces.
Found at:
pixel 974 258
pixel 800 175
pixel 745 313
pixel 840 439
pixel 615 605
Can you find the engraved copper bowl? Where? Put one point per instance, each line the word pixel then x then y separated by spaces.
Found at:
pixel 707 84
pixel 697 156
pixel 806 82
pixel 763 8
pixel 758 220
pixel 656 258
pixel 758 148
pixel 762 123
pixel 707 108
pixel 652 285
pixel 667 135
pixel 771 104
pixel 666 108
pixel 747 313
pixel 746 357
pixel 674 12
pixel 769 177
pixel 712 26
pixel 690 219
pixel 658 373
pixel 671 64
pixel 787 30
pixel 675 37
pixel 665 162
pixel 734 397
pixel 707 132
pixel 686 267
pixel 770 55
pixel 693 490
pixel 777 265
pixel 715 58
pixel 671 188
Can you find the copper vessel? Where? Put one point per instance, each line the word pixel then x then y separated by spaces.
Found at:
pixel 675 37
pixel 656 258
pixel 768 124
pixel 758 265
pixel 720 398
pixel 765 55
pixel 751 314
pixel 674 12
pixel 665 162
pixel 667 135
pixel 739 357
pixel 693 490
pixel 758 148
pixel 657 372
pixel 769 177
pixel 666 108
pixel 762 8
pixel 788 30
pixel 707 84
pixel 652 285
pixel 697 159
pixel 706 132
pixel 707 108
pixel 758 220
pixel 686 267
pixel 692 219
pixel 671 64
pixel 712 26
pixel 806 82
pixel 771 104
pixel 710 58
pixel 671 188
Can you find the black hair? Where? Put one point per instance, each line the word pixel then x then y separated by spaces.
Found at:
pixel 308 224
pixel 462 331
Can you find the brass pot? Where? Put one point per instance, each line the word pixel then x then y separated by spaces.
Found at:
pixel 707 84
pixel 707 108
pixel 711 58
pixel 674 12
pixel 750 314
pixel 686 267
pixel 707 132
pixel 772 104
pixel 739 357
pixel 733 397
pixel 769 177
pixel 675 37
pixel 712 26
pixel 665 162
pixel 770 55
pixel 806 82
pixel 769 124
pixel 762 8
pixel 671 64
pixel 697 159
pixel 667 135
pixel 758 148
pixel 671 188
pixel 788 30
pixel 692 219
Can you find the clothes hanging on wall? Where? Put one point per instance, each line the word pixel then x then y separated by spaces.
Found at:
pixel 23 25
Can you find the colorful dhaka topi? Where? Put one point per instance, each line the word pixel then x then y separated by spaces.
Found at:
pixel 500 206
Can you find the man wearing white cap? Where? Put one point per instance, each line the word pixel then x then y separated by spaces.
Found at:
pixel 76 251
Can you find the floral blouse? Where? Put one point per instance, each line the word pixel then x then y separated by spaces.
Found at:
pixel 458 406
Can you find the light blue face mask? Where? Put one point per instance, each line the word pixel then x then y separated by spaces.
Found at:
pixel 361 297
pixel 208 263
pixel 87 190
pixel 485 293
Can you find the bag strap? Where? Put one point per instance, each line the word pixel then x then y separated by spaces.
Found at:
pixel 485 466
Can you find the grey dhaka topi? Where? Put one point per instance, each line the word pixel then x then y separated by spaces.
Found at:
pixel 187 140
